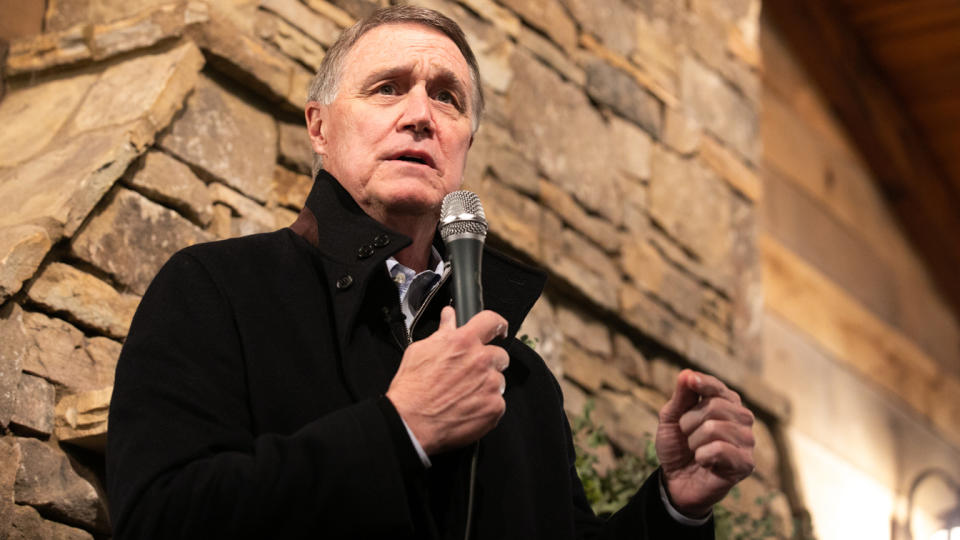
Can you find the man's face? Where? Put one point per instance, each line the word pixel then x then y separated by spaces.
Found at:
pixel 397 134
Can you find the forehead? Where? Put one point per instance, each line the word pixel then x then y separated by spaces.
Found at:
pixel 405 44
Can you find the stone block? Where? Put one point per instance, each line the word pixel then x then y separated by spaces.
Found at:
pixel 169 181
pixel 495 150
pixel 143 93
pixel 229 139
pixel 61 186
pixel 293 147
pixel 663 375
pixel 502 18
pixel 719 276
pixel 613 21
pixel 13 348
pixel 132 237
pixel 332 12
pixel 26 524
pixel 619 91
pixel 692 205
pixel 33 115
pixel 81 419
pixel 48 50
pixel 765 455
pixel 574 399
pixel 591 371
pixel 644 312
pixel 540 325
pixel 85 298
pixel 641 262
pixel 720 109
pixel 664 90
pixel 47 482
pixel 556 58
pixel 9 463
pixel 733 170
pixel 22 248
pixel 247 59
pixel 557 128
pixel 650 397
pixel 630 360
pixel 681 132
pixel 658 49
pixel 145 28
pixel 33 414
pixel 357 9
pixel 319 28
pixel 60 353
pixel 636 220
pixel 290 188
pixel 289 39
pixel 221 227
pixel 589 333
pixel 628 422
pixel 251 217
pixel 513 218
pixel 632 148
pixel 596 229
pixel 548 16
pixel 584 266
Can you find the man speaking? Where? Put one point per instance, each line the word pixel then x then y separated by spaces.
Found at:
pixel 312 382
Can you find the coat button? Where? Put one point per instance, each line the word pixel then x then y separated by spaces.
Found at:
pixel 381 241
pixel 344 282
pixel 365 251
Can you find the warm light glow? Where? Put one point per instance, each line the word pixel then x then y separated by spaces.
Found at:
pixel 955 533
pixel 942 534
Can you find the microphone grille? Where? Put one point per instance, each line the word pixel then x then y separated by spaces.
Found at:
pixel 462 214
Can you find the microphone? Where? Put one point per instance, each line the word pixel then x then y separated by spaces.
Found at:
pixel 463 228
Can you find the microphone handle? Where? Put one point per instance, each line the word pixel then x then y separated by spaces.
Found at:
pixel 465 255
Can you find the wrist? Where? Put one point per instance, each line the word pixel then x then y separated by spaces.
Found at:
pixel 688 511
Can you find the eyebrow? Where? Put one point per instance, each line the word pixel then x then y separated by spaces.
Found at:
pixel 444 76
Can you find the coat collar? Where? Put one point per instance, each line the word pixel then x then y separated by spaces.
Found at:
pixel 352 249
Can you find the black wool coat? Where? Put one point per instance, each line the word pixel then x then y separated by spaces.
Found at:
pixel 249 402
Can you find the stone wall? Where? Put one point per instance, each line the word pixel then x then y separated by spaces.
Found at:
pixel 619 152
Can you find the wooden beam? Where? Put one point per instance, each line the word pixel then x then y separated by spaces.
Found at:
pixel 902 163
pixel 856 338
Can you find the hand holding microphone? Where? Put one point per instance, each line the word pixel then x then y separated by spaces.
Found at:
pixel 449 386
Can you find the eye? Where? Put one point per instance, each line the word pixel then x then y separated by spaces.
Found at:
pixel 387 89
pixel 445 96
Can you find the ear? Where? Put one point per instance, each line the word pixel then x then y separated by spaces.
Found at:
pixel 316 113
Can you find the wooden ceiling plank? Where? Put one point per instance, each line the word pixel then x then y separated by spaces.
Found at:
pixel 924 199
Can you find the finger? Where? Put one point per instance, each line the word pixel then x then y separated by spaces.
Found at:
pixel 499 358
pixel 487 326
pixel 726 460
pixel 721 430
pixel 448 318
pixel 710 386
pixel 713 408
pixel 683 399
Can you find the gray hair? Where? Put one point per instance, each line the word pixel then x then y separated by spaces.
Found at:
pixel 326 83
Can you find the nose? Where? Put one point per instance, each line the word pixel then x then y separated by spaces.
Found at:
pixel 417 114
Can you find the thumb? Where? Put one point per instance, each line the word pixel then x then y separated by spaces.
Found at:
pixel 684 397
pixel 448 319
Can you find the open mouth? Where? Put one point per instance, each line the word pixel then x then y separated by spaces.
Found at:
pixel 421 158
pixel 412 159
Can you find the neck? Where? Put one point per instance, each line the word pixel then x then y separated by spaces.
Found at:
pixel 416 256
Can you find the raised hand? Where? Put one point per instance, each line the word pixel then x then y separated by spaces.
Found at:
pixel 449 387
pixel 704 442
